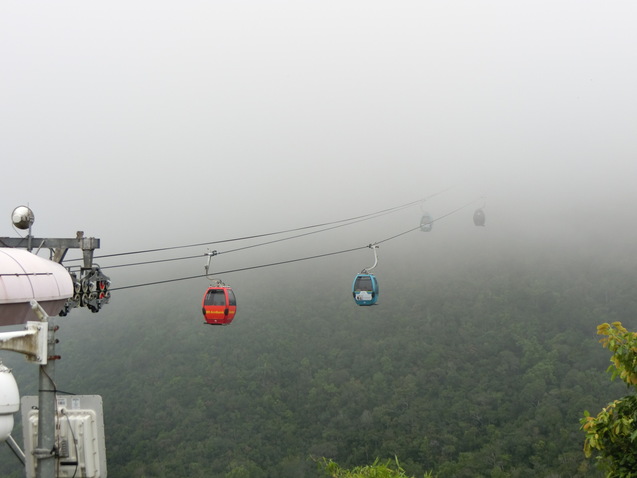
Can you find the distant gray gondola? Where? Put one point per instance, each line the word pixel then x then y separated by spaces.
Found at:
pixel 479 218
pixel 426 222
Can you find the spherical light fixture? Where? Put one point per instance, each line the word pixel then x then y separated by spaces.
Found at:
pixel 22 217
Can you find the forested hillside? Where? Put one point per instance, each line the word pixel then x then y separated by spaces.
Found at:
pixel 475 367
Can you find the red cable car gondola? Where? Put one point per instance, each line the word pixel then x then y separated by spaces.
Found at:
pixel 219 305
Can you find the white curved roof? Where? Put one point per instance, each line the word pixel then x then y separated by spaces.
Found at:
pixel 25 276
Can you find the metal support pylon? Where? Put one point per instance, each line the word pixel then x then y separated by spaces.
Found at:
pixel 47 407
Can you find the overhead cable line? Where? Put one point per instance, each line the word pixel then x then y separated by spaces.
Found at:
pixel 157 261
pixel 432 221
pixel 338 224
pixel 257 236
pixel 241 269
pixel 199 276
pixel 366 218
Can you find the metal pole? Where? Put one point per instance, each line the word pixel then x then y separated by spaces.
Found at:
pixel 29 239
pixel 15 448
pixel 47 407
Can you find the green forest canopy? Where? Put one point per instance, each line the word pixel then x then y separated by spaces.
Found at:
pixel 473 368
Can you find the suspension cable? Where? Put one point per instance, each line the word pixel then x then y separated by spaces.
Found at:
pixel 434 220
pixel 318 256
pixel 257 236
pixel 242 269
pixel 354 221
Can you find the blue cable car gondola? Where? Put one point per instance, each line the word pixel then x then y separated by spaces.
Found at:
pixel 365 289
pixel 365 286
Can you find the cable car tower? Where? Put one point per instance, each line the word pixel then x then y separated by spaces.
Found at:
pixel 90 284
pixel 32 291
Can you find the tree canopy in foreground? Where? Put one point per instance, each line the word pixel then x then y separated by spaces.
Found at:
pixel 612 433
pixel 378 469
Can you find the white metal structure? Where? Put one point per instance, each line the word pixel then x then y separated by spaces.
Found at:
pixel 9 401
pixel 79 436
pixel 25 277
pixel 32 342
pixel 35 288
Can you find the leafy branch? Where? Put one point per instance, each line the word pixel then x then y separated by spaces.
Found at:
pixel 612 432
pixel 376 470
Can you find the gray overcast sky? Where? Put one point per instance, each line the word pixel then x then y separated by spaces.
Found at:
pixel 191 120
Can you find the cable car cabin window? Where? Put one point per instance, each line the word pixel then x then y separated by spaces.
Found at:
pixel 231 298
pixel 363 283
pixel 365 289
pixel 215 297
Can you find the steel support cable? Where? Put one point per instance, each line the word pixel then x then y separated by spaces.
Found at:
pixel 241 269
pixel 309 233
pixel 199 276
pixel 246 247
pixel 257 236
pixel 156 261
pixel 435 220
pixel 341 223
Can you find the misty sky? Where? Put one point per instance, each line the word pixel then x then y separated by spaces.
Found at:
pixel 150 123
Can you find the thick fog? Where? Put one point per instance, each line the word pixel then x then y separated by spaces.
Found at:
pixel 152 124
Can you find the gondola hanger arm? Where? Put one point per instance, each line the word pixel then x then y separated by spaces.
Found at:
pixel 210 255
pixel 372 247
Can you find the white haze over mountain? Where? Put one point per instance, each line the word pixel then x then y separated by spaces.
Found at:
pixel 150 124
